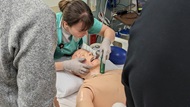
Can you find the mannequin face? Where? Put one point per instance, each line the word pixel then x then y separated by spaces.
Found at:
pixel 75 30
pixel 81 53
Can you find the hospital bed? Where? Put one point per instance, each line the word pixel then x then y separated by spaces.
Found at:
pixel 68 84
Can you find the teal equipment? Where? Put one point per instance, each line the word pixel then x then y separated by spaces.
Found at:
pixel 102 65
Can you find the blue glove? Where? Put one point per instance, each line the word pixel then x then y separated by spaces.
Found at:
pixel 76 66
pixel 105 49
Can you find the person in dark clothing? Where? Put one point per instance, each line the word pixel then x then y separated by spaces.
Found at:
pixel 157 70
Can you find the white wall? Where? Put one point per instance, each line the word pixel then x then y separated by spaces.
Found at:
pixel 51 3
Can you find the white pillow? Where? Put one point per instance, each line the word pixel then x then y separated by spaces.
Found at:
pixel 67 84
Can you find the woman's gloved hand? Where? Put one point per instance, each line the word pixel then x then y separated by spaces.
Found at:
pixel 105 49
pixel 76 66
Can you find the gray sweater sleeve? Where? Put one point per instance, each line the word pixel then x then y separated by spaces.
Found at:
pixel 29 45
pixel 35 62
pixel 36 79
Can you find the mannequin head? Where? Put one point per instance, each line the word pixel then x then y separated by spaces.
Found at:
pixel 81 53
pixel 94 63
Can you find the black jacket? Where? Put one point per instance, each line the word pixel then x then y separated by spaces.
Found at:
pixel 157 69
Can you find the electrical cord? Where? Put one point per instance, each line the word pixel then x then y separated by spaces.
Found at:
pixel 101 15
pixel 103 19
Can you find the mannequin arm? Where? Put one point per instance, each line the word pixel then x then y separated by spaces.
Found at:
pixel 84 98
pixel 59 66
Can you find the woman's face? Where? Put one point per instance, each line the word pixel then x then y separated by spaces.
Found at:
pixel 76 30
pixel 81 53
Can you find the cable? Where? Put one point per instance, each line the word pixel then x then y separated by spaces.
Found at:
pixel 103 19
pixel 105 7
pixel 101 15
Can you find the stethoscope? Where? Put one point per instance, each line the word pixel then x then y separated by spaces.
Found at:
pixel 61 45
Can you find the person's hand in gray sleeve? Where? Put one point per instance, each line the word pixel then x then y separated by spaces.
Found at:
pixel 105 49
pixel 76 66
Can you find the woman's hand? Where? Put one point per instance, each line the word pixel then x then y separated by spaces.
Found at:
pixel 76 66
pixel 105 49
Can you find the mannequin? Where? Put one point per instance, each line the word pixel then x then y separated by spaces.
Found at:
pixel 99 90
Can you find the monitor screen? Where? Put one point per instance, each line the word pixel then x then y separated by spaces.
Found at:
pixel 140 4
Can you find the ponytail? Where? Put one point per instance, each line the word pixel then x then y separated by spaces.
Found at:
pixel 75 11
pixel 63 4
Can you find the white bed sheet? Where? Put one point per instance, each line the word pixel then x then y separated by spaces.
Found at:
pixel 69 101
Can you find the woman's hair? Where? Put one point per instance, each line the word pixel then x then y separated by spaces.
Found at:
pixel 75 11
